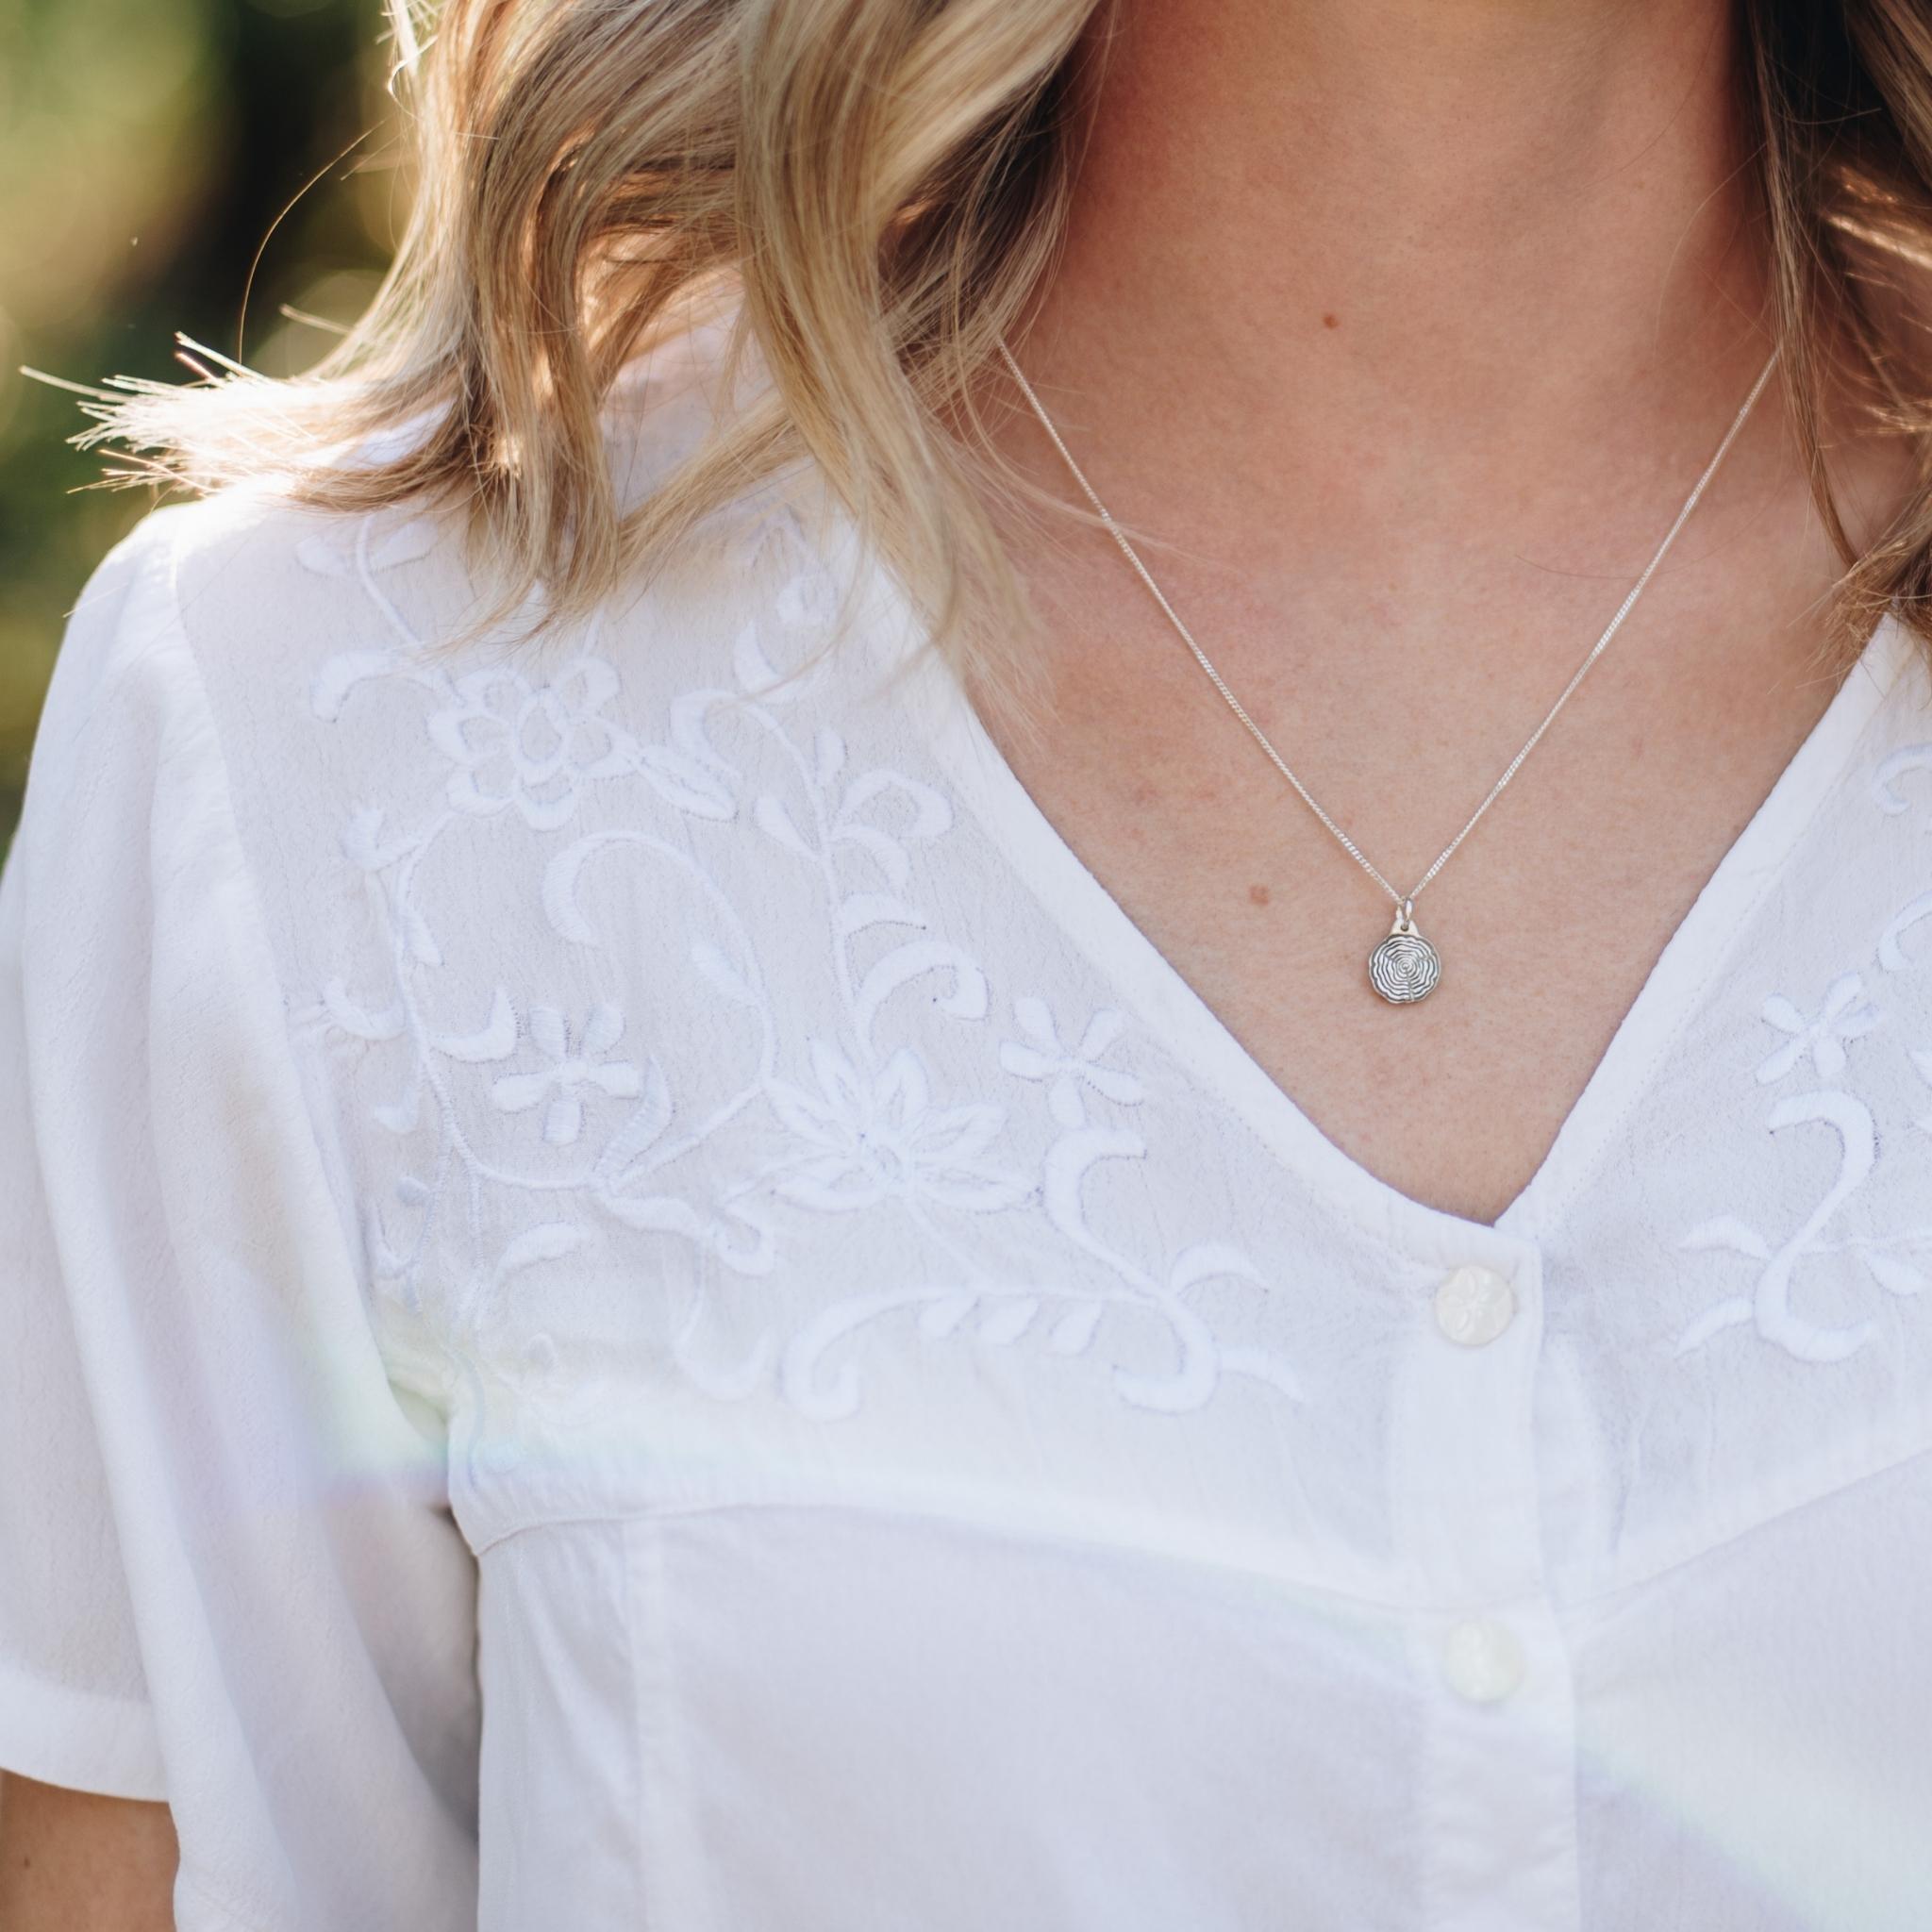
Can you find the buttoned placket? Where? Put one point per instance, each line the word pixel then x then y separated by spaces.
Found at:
pixel 1497 1776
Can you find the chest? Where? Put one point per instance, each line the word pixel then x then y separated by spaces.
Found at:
pixel 1549 920
pixel 876 1308
pixel 762 1090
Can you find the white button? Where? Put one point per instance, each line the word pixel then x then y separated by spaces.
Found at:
pixel 1475 1305
pixel 1482 1661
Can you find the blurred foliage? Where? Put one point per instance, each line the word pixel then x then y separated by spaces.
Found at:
pixel 147 148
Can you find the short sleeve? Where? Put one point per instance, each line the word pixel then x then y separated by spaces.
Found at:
pixel 228 1574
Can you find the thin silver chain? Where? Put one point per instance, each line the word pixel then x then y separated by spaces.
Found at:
pixel 1402 900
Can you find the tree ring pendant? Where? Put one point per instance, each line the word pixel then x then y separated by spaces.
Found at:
pixel 1405 967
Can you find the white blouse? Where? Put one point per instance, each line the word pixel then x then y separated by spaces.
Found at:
pixel 628 1300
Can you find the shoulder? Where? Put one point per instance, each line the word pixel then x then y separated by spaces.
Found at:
pixel 275 599
pixel 330 670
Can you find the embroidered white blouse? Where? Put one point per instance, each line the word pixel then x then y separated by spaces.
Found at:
pixel 629 1300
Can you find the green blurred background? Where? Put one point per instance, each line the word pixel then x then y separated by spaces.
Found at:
pixel 147 148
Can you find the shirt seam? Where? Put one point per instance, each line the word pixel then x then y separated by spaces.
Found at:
pixel 1594 1599
pixel 167 564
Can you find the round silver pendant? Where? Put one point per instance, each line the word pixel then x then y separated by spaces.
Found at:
pixel 1405 967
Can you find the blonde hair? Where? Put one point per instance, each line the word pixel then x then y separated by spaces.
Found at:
pixel 878 186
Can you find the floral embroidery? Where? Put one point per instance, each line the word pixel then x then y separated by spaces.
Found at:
pixel 862 1126
pixel 534 746
pixel 1892 955
pixel 1069 1312
pixel 863 1132
pixel 417 1354
pixel 871 1140
pixel 373 545
pixel 1769 1305
pixel 791 625
pixel 573 1065
pixel 1843 1016
pixel 1900 1263
pixel 1885 789
pixel 1068 1069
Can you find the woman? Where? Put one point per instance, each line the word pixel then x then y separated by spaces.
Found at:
pixel 676 1262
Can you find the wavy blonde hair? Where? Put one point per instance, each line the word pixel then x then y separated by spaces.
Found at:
pixel 878 186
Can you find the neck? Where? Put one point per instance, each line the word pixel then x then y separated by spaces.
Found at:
pixel 1503 232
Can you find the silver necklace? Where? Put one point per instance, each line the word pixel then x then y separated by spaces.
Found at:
pixel 1404 967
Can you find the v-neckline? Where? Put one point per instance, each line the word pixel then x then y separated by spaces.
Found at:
pixel 1185 1026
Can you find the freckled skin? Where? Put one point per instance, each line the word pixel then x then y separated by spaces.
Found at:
pixel 1258 895
pixel 70 1862
pixel 1331 322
